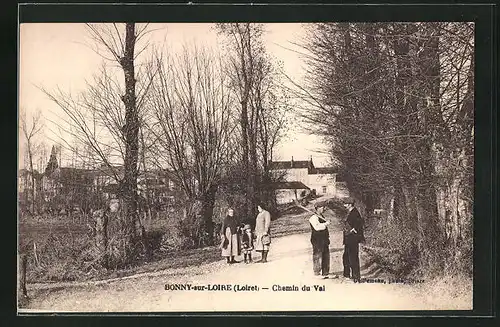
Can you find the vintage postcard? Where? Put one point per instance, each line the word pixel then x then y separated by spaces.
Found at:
pixel 245 167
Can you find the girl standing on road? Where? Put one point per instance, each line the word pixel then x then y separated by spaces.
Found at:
pixel 247 243
pixel 262 228
pixel 230 237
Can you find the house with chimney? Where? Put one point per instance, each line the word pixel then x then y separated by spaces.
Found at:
pixel 301 177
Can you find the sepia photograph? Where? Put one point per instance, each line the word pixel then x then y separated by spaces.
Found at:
pixel 245 167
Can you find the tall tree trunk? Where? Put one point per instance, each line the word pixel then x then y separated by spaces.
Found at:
pixel 131 130
pixel 245 161
pixel 252 176
pixel 464 174
pixel 146 183
pixel 430 228
pixel 208 211
pixel 406 106
pixel 32 175
pixel 26 191
pixel 265 186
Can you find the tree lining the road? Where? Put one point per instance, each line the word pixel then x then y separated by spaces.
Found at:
pixel 396 102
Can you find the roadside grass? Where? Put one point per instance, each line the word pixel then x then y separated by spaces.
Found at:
pixel 58 249
pixel 295 222
pixel 457 287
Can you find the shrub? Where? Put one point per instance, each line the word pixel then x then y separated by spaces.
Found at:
pixel 153 240
pixel 402 256
pixel 60 257
pixel 66 252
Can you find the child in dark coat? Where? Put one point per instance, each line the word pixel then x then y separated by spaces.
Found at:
pixel 247 243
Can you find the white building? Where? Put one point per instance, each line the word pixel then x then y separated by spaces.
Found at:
pixel 321 180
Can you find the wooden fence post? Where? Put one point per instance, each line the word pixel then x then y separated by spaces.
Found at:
pixel 23 294
pixel 36 255
pixel 101 237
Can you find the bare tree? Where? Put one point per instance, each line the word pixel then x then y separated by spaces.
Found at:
pixel 272 103
pixel 192 109
pixel 106 117
pixel 31 130
pixel 255 81
pixel 246 57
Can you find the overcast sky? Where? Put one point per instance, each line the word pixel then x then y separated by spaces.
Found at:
pixel 58 56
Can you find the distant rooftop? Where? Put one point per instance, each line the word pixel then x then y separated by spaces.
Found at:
pixel 289 186
pixel 301 164
pixel 323 170
pixel 290 164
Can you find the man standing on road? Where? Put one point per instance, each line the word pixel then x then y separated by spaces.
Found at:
pixel 353 235
pixel 320 241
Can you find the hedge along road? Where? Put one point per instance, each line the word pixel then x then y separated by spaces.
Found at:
pixel 284 283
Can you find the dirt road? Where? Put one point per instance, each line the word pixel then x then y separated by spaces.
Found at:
pixel 289 267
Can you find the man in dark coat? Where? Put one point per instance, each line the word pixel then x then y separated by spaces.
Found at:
pixel 353 235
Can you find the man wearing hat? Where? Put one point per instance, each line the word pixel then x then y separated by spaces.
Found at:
pixel 353 235
pixel 320 241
